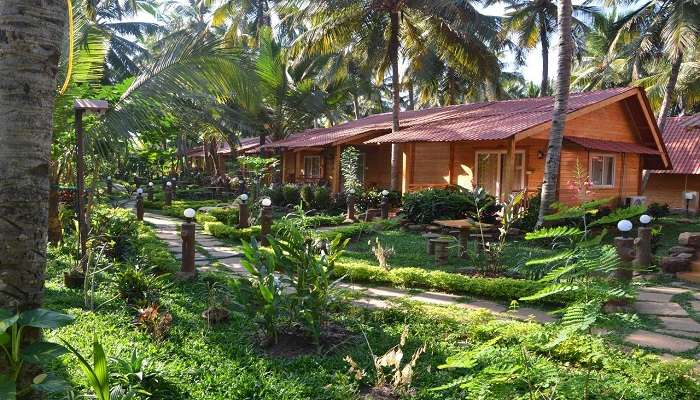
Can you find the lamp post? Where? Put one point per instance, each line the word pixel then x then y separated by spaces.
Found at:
pixel 351 206
pixel 187 232
pixel 109 185
pixel 385 204
pixel 168 200
pixel 174 182
pixel 625 250
pixel 80 107
pixel 689 196
pixel 642 244
pixel 150 191
pixel 265 220
pixel 243 212
pixel 139 204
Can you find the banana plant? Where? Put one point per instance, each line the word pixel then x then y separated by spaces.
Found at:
pixel 17 354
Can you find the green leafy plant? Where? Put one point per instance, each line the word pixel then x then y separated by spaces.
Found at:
pixel 350 168
pixel 452 203
pixel 138 285
pixel 96 373
pixel 16 354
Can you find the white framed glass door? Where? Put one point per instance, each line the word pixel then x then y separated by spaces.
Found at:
pixel 490 171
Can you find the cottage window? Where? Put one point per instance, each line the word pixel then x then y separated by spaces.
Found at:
pixel 312 167
pixel 602 170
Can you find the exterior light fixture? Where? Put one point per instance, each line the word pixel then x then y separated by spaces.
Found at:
pixel 645 219
pixel 169 183
pixel 266 202
pixel 624 226
pixel 189 213
pixel 385 192
pixel 150 184
pixel 243 197
pixel 139 191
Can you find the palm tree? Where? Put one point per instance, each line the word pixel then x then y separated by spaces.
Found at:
pixel 561 101
pixel 375 30
pixel 668 30
pixel 534 21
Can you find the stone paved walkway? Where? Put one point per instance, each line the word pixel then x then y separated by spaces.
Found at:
pixel 217 255
pixel 677 331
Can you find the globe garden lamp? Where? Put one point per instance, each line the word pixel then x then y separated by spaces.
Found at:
pixel 168 200
pixel 187 232
pixel 189 214
pixel 385 204
pixel 168 184
pixel 645 219
pixel 624 226
pixel 150 184
pixel 643 255
pixel 265 220
pixel 139 204
pixel 243 212
pixel 82 106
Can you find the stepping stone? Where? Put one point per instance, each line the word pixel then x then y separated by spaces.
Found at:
pixel 680 324
pixel 372 304
pixel 437 298
pixel 695 305
pixel 653 308
pixel 694 335
pixel 382 292
pixel 653 296
pixel 663 289
pixel 660 342
pixel 217 255
pixel 525 313
pixel 484 305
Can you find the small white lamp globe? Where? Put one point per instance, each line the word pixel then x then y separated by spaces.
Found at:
pixel 139 191
pixel 351 191
pixel 150 184
pixel 624 225
pixel 169 183
pixel 385 192
pixel 244 197
pixel 174 179
pixel 266 202
pixel 645 219
pixel 109 178
pixel 189 213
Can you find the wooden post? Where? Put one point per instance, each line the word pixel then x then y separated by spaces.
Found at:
pixel 297 166
pixel 450 168
pixel 187 268
pixel 642 245
pixel 336 170
pixel 407 167
pixel 625 249
pixel 509 172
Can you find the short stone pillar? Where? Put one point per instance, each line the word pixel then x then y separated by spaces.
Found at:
pixel 625 249
pixel 168 195
pixel 187 232
pixel 139 205
pixel 429 245
pixel 109 185
pixel 385 204
pixel 642 248
pixel 442 252
pixel 243 215
pixel 350 216
pixel 265 223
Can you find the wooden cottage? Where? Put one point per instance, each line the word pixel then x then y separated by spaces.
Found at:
pixel 197 156
pixel 682 138
pixel 501 146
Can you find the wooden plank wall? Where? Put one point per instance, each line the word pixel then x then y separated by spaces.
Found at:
pixel 669 188
pixel 377 165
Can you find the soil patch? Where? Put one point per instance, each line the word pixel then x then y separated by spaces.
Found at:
pixel 293 343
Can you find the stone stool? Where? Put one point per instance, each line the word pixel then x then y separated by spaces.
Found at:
pixel 442 253
pixel 430 246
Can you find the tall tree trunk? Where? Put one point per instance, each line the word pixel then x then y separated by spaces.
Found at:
pixel 668 94
pixel 355 106
pixel 451 87
pixel 30 43
pixel 411 96
pixel 544 42
pixel 395 86
pixel 561 101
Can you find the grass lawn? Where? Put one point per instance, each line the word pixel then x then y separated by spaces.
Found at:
pixel 671 227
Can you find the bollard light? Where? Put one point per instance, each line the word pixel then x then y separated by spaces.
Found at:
pixel 168 183
pixel 139 191
pixel 150 184
pixel 243 197
pixel 645 219
pixel 109 178
pixel 266 202
pixel 385 192
pixel 174 179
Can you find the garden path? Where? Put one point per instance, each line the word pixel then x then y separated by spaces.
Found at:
pixel 214 255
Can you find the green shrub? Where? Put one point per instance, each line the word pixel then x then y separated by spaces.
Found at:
pixel 138 285
pixel 290 194
pixel 115 226
pixel 220 230
pixel 228 216
pixel 657 210
pixel 373 199
pixel 451 203
pixel 322 198
pixel 307 196
pixel 495 288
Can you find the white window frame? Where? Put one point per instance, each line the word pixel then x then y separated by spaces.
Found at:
pixel 498 173
pixel 614 166
pixel 309 174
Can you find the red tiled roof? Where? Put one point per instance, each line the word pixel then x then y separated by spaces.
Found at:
pixel 493 120
pixel 248 146
pixel 683 144
pixel 611 146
